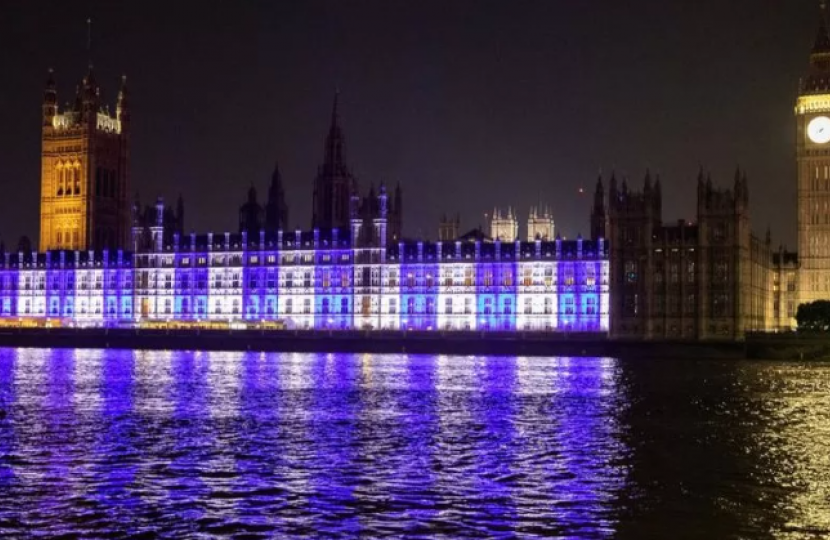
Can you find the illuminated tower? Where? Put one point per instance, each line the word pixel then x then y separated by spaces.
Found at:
pixel 812 111
pixel 540 224
pixel 504 227
pixel 84 181
pixel 334 183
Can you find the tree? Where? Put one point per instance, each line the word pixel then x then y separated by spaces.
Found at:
pixel 814 316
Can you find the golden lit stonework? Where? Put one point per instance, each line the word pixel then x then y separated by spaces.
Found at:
pixel 84 181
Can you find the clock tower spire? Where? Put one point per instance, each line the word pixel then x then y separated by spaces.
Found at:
pixel 812 111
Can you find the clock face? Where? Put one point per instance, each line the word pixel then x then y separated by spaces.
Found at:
pixel 819 130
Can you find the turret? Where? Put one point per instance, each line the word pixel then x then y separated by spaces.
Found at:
pixel 180 214
pixel 89 98
pixel 122 108
pixel 50 101
pixel 276 211
pixel 598 214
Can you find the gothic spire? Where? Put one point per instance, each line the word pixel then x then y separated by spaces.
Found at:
pixel 822 43
pixel 335 159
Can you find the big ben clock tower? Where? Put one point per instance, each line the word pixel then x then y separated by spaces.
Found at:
pixel 812 112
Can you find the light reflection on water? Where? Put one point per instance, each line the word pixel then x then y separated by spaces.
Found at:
pixel 102 443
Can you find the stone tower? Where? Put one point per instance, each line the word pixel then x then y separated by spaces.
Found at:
pixel 334 184
pixel 276 209
pixel 599 216
pixel 812 111
pixel 84 162
pixel 540 224
pixel 449 228
pixel 504 227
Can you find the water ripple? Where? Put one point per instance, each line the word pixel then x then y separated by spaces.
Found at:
pixel 121 444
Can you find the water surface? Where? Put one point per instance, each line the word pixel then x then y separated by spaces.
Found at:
pixel 116 443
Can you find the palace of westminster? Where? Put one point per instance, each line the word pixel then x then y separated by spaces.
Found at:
pixel 105 260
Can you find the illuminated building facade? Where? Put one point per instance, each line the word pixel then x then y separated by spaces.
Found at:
pixel 812 111
pixel 84 182
pixel 352 279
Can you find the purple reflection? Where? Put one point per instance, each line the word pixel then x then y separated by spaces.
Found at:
pixel 336 466
pixel 418 498
pixel 494 452
pixel 190 435
pixel 115 451
pixel 59 430
pixel 258 460
pixel 7 434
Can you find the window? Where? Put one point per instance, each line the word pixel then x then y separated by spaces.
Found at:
pixel 324 308
pixel 235 306
pixel 468 306
pixel 548 306
pixel 508 306
pixel 721 271
pixel 307 306
pixel 410 305
pixel 591 276
pixel 630 272
pixel 393 306
pixel 487 281
pixel 168 305
pixel 288 306
pixel 448 306
pixel 591 305
pixel 307 280
pixel 344 306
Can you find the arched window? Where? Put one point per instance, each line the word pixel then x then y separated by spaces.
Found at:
pixel 76 179
pixel 59 180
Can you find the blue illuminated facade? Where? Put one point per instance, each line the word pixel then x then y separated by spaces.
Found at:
pixel 306 280
pixel 326 280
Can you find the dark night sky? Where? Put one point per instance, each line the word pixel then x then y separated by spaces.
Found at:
pixel 468 104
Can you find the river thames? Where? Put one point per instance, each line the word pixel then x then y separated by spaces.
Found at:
pixel 249 445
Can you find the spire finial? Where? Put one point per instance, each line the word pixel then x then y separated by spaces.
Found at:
pixel 89 41
pixel 334 106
